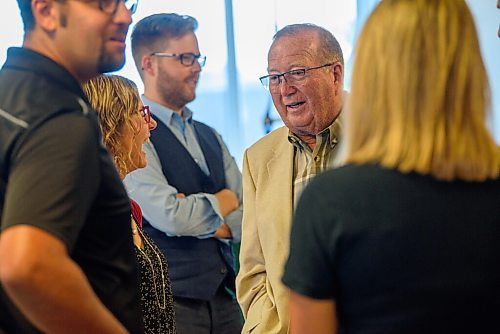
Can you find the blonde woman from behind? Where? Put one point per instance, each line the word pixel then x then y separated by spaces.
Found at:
pixel 405 238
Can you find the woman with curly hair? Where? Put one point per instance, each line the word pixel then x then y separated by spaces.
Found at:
pixel 125 124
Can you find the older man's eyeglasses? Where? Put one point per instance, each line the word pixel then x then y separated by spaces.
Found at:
pixel 186 59
pixel 111 6
pixel 272 81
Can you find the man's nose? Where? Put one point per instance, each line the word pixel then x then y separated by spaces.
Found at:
pixel 196 67
pixel 284 87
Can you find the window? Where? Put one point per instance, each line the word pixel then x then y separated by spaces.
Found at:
pixel 255 24
pixel 237 110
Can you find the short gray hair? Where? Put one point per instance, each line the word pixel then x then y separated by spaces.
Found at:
pixel 329 47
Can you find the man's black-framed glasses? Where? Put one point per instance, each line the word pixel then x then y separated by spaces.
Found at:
pixel 111 6
pixel 186 59
pixel 272 81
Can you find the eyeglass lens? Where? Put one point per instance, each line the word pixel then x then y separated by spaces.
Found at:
pixel 188 59
pixel 111 6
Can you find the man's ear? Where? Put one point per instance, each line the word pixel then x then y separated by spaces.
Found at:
pixel 147 65
pixel 338 72
pixel 46 14
pixel 338 77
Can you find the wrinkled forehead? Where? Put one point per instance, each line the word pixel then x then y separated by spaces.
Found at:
pixel 293 51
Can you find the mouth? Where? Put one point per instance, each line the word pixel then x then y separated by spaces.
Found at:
pixel 119 39
pixel 119 35
pixel 295 105
pixel 192 81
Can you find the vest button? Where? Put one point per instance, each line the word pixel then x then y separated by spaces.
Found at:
pixel 223 271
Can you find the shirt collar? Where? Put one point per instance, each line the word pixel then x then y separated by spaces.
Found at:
pixel 333 132
pixel 165 114
pixel 30 60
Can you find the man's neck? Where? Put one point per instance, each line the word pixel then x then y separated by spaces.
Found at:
pixel 157 99
pixel 39 43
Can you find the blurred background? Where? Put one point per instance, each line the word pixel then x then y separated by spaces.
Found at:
pixel 236 35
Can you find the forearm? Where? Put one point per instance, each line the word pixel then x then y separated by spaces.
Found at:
pixel 52 309
pixel 195 215
pixel 223 232
pixel 228 201
pixel 51 290
pixel 190 215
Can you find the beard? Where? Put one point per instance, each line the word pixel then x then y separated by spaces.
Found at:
pixel 173 90
pixel 108 63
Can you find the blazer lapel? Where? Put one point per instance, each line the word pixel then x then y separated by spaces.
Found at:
pixel 280 173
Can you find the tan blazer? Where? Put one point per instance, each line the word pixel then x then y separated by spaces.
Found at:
pixel 267 213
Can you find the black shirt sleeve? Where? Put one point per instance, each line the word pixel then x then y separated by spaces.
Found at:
pixel 53 178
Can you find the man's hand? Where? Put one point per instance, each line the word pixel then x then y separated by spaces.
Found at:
pixel 223 232
pixel 228 201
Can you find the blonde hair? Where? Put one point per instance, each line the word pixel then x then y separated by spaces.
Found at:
pixel 420 93
pixel 116 100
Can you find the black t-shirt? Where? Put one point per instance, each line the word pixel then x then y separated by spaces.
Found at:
pixel 60 178
pixel 399 253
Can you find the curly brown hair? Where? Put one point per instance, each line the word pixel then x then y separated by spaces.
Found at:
pixel 116 100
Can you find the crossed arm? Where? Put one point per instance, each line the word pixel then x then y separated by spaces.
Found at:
pixel 228 202
pixel 199 215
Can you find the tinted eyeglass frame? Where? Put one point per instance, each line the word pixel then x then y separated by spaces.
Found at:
pixel 146 113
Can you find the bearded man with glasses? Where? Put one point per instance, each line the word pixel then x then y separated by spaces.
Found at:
pixel 66 252
pixel 190 191
pixel 305 79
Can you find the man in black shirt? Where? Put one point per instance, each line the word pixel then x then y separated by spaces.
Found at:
pixel 66 253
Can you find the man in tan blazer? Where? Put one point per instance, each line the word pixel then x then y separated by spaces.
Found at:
pixel 305 66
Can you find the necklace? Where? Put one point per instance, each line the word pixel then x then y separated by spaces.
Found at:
pixel 158 256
